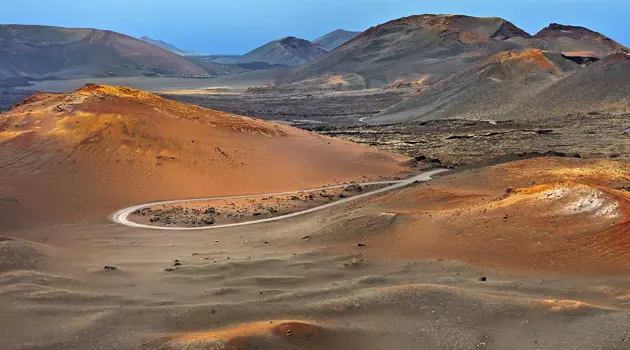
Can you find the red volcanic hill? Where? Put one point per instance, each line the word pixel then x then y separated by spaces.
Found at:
pixel 95 150
pixel 558 215
pixel 55 52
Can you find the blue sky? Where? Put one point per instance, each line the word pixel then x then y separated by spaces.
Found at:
pixel 236 26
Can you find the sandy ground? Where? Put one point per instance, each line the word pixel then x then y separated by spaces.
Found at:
pixel 526 255
pixel 356 282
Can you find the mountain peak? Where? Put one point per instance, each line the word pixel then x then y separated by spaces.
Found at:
pixel 483 27
pixel 336 38
pixel 555 30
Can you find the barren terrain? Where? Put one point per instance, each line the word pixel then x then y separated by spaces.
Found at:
pixel 462 142
pixel 203 219
pixel 528 255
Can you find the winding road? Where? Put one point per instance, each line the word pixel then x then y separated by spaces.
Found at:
pixel 122 216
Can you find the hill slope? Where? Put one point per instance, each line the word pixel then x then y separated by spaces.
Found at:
pixel 599 87
pixel 54 52
pixel 335 39
pixel 166 46
pixel 486 91
pixel 95 150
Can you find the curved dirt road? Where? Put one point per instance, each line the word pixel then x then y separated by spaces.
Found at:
pixel 122 216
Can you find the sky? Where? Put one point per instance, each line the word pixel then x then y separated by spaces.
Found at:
pixel 237 26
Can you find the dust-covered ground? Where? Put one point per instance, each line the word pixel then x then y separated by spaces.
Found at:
pixel 398 271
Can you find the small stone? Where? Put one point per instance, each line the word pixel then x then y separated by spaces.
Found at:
pixel 360 245
pixel 177 264
pixel 483 279
pixel 289 333
pixel 107 267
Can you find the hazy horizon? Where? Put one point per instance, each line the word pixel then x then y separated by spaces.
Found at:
pixel 239 26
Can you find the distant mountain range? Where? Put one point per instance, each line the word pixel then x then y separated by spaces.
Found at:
pixel 167 46
pixel 454 66
pixel 335 39
pixel 289 51
pixel 432 47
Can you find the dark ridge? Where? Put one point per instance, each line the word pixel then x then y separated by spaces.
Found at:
pixel 509 30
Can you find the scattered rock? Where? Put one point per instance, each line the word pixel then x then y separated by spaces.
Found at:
pixel 354 262
pixel 360 245
pixel 210 211
pixel 306 237
pixel 354 188
pixel 483 279
pixel 107 267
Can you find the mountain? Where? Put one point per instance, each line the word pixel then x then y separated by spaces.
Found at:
pixel 529 85
pixel 335 39
pixel 416 47
pixel 289 51
pixel 95 150
pixel 166 46
pixel 486 91
pixel 564 38
pixel 62 53
pixel 424 49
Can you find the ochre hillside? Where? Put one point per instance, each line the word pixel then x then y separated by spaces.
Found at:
pixel 546 214
pixel 101 147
